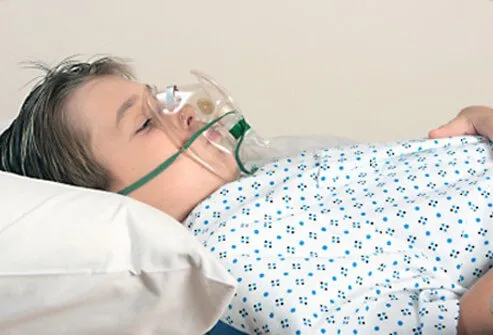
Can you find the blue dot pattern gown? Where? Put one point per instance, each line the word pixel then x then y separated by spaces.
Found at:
pixel 362 239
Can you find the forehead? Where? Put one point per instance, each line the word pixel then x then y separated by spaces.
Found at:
pixel 105 91
pixel 95 102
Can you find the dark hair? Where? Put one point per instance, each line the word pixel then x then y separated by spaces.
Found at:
pixel 42 143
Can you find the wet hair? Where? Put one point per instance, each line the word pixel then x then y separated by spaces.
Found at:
pixel 42 143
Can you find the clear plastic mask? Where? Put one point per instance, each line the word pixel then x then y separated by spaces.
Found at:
pixel 203 121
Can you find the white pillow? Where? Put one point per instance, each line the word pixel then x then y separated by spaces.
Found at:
pixel 78 261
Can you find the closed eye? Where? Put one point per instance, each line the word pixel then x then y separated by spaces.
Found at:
pixel 150 106
pixel 146 125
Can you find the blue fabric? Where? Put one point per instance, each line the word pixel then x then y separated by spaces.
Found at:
pixel 223 329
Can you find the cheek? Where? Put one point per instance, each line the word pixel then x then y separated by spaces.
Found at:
pixel 129 160
pixel 148 152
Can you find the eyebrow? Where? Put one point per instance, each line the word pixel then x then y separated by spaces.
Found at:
pixel 125 107
pixel 129 103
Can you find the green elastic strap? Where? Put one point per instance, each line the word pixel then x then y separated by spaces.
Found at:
pixel 164 165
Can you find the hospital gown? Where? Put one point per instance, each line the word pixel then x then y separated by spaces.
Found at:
pixel 362 239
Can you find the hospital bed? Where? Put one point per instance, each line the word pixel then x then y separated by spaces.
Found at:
pixel 223 329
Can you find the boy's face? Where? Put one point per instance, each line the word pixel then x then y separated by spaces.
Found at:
pixel 114 112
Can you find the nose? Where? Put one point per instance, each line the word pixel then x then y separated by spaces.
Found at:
pixel 188 117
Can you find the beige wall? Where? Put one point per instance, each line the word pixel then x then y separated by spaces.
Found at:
pixel 365 69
